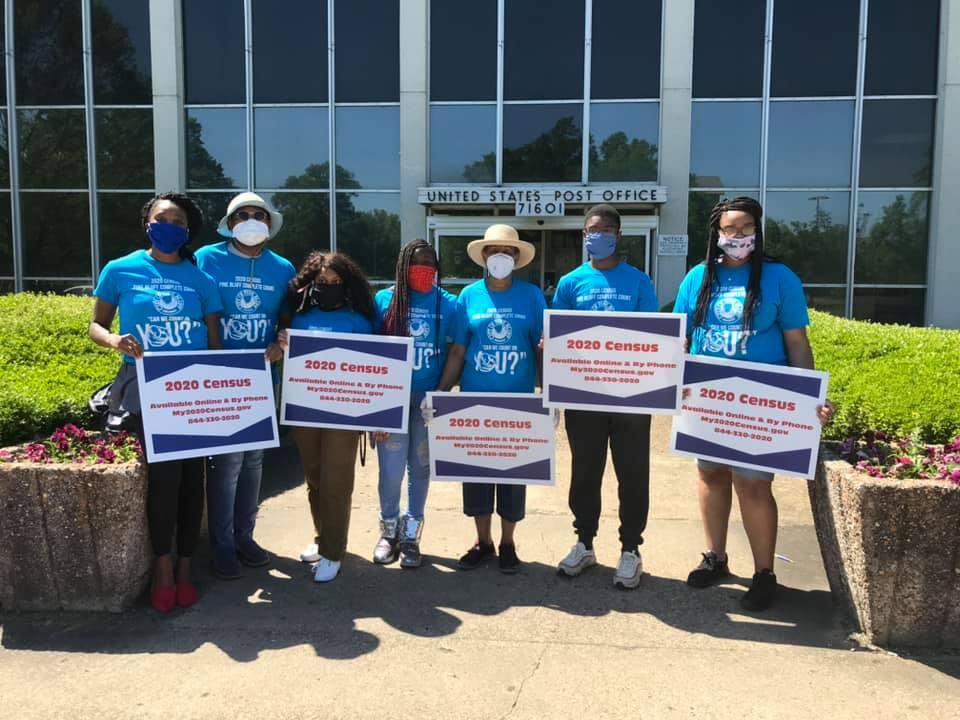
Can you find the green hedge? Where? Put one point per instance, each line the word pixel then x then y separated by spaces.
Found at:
pixel 48 365
pixel 893 378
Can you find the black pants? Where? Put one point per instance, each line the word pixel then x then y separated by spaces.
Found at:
pixel 628 436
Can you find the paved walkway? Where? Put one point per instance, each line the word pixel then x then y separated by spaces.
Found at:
pixel 438 643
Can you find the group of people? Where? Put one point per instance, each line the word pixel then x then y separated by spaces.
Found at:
pixel 239 294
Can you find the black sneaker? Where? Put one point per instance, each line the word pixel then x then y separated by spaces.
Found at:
pixel 509 562
pixel 762 592
pixel 710 570
pixel 252 555
pixel 477 556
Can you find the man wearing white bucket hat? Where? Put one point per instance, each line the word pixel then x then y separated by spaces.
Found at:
pixel 253 282
pixel 495 349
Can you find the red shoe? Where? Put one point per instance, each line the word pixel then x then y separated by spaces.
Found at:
pixel 187 594
pixel 164 598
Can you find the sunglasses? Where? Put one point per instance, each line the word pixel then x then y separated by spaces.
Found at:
pixel 243 215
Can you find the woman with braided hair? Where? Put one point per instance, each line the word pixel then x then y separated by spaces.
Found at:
pixel 416 306
pixel 742 304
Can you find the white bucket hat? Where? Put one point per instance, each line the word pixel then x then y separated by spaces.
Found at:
pixel 250 199
pixel 502 235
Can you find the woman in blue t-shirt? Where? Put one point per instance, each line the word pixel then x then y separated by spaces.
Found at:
pixel 252 281
pixel 166 303
pixel 497 333
pixel 743 305
pixel 330 293
pixel 416 306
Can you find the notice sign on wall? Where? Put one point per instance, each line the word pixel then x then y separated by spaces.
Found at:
pixel 672 245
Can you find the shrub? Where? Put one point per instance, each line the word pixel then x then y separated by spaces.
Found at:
pixel 48 365
pixel 899 380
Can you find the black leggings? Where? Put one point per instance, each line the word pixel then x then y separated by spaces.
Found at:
pixel 175 501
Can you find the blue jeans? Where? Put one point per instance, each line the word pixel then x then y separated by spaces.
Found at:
pixel 410 452
pixel 233 494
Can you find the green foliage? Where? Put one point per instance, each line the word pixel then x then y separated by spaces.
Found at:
pixel 892 378
pixel 48 365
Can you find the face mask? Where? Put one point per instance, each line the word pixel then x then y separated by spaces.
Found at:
pixel 736 248
pixel 167 237
pixel 600 245
pixel 326 296
pixel 421 277
pixel 500 265
pixel 251 232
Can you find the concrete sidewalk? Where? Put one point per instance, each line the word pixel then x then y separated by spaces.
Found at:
pixel 440 643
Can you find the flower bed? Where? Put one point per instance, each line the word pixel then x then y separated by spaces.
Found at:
pixel 878 455
pixel 74 445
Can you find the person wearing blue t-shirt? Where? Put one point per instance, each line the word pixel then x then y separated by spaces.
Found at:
pixel 607 283
pixel 252 281
pixel 329 293
pixel 743 305
pixel 166 303
pixel 416 306
pixel 497 332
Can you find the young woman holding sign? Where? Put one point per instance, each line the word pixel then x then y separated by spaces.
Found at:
pixel 416 306
pixel 166 303
pixel 330 293
pixel 743 305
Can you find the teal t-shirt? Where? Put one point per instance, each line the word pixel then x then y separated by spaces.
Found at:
pixel 501 331
pixel 340 320
pixel 252 290
pixel 431 332
pixel 782 307
pixel 162 304
pixel 622 288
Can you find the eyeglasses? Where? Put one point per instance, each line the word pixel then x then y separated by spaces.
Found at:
pixel 730 230
pixel 243 215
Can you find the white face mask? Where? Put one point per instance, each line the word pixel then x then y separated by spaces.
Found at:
pixel 251 232
pixel 500 265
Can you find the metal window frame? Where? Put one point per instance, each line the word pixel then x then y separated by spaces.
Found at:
pixel 86 13
pixel 13 148
pixel 855 160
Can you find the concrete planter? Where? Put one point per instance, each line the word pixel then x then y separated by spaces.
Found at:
pixel 73 537
pixel 891 549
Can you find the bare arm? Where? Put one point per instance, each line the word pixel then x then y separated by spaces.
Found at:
pixel 452 367
pixel 213 331
pixel 799 353
pixel 103 314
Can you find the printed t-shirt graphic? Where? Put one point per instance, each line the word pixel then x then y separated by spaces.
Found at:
pixel 341 320
pixel 622 288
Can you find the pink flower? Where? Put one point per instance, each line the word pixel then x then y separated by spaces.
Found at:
pixel 904 460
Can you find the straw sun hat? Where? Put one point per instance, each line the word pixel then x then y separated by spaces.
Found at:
pixel 503 235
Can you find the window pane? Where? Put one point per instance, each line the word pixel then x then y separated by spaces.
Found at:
pixel 125 148
pixel 810 144
pixel 892 26
pixel 306 225
pixel 120 229
pixel 625 61
pixel 4 150
pixel 623 141
pixel 49 52
pixel 289 51
pixel 3 62
pixel 454 261
pixel 809 233
pixel 543 50
pixel 728 49
pixel 904 306
pixel 542 143
pixel 828 299
pixel 213 206
pixel 121 52
pixel 368 230
pixel 698 221
pixel 56 234
pixel 213 51
pixel 463 141
pixel 367 62
pixel 292 147
pixel 53 149
pixel 725 144
pixel 815 48
pixel 6 238
pixel 892 234
pixel 368 147
pixel 216 148
pixel 463 50
pixel 897 146
pixel 633 249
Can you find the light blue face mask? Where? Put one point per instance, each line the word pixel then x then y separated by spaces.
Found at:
pixel 600 245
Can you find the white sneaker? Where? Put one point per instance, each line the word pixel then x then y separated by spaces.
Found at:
pixel 629 570
pixel 577 560
pixel 310 554
pixel 326 570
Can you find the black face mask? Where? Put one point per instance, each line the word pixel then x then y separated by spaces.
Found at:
pixel 326 296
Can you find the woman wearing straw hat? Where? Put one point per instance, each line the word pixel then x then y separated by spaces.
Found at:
pixel 252 281
pixel 497 332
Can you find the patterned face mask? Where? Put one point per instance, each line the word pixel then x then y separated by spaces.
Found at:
pixel 736 248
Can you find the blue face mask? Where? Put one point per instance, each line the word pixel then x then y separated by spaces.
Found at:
pixel 167 237
pixel 600 245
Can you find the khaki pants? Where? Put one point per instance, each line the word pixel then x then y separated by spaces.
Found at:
pixel 329 459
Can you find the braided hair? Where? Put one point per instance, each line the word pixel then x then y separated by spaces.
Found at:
pixel 358 295
pixel 715 256
pixel 396 320
pixel 190 209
